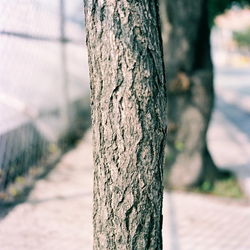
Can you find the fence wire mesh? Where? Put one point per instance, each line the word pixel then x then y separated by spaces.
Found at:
pixel 43 83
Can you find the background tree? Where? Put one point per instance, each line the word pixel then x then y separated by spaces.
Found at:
pixel 186 34
pixel 128 100
pixel 186 41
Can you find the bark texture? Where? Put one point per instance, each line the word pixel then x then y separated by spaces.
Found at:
pixel 186 42
pixel 128 99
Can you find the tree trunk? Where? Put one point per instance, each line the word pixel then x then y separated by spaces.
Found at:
pixel 186 43
pixel 128 99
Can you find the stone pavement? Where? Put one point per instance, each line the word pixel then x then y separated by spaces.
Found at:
pixel 196 222
pixel 57 214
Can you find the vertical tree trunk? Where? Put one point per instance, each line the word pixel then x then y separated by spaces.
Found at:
pixel 128 99
pixel 186 42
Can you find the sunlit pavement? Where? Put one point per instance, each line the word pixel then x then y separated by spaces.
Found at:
pixel 196 222
pixel 58 214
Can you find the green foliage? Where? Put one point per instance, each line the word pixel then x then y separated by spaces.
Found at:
pixel 224 188
pixel 228 188
pixel 217 7
pixel 242 38
pixel 179 146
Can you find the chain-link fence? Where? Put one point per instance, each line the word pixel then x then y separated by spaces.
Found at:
pixel 43 83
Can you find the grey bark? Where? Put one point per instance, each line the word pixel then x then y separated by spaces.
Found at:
pixel 128 100
pixel 186 42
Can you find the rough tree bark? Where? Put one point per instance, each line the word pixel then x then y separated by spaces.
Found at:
pixel 128 99
pixel 186 43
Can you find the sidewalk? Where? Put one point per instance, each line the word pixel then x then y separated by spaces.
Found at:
pixel 58 214
pixel 229 139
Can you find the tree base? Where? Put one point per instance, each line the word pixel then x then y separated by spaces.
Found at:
pixel 195 172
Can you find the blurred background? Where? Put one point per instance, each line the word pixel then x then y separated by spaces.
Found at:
pixel 43 83
pixel 229 133
pixel 45 162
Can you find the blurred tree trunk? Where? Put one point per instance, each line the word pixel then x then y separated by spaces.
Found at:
pixel 186 42
pixel 128 99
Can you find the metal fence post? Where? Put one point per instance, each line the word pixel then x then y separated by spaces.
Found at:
pixel 65 87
